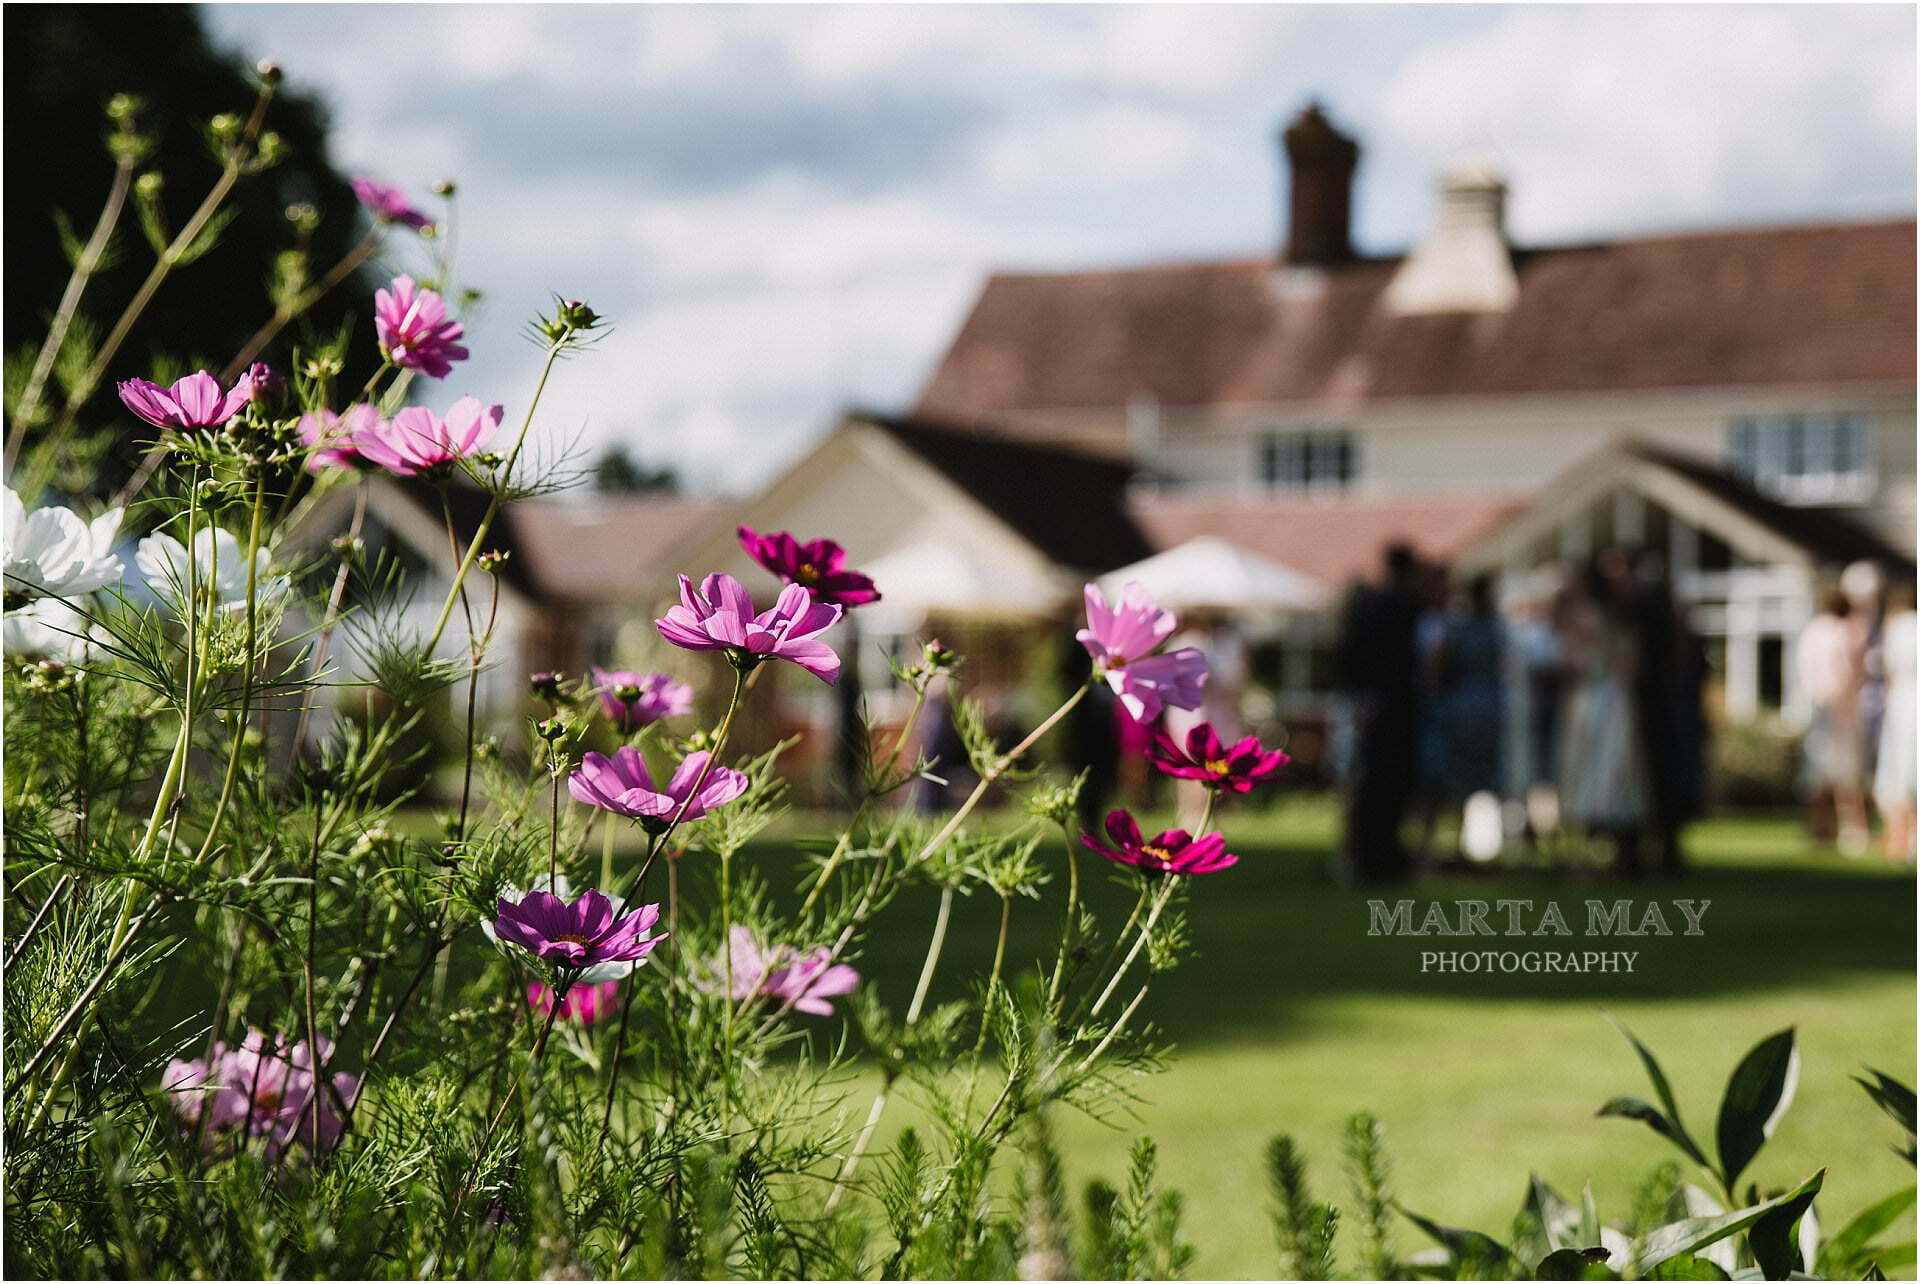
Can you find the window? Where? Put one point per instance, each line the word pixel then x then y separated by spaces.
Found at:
pixel 1307 459
pixel 1805 458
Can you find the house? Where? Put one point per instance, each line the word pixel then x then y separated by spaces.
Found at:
pixel 1740 399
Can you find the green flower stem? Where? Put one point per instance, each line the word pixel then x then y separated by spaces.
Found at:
pixel 246 681
pixel 994 772
pixel 1146 930
pixel 84 267
pixel 168 259
pixel 283 316
pixel 493 505
pixel 884 782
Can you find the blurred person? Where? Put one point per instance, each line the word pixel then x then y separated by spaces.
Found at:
pixel 1893 780
pixel 1865 587
pixel 1472 655
pixel 1430 791
pixel 1603 786
pixel 1828 659
pixel 1669 693
pixel 1376 671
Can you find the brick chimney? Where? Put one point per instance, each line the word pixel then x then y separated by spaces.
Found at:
pixel 1320 164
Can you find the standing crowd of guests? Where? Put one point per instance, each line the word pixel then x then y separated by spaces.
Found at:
pixel 1582 712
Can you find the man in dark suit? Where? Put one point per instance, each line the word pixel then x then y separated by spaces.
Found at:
pixel 1377 670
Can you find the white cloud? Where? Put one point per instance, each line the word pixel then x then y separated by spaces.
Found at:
pixel 1610 116
pixel 785 209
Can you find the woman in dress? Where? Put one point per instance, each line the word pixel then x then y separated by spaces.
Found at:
pixel 1603 788
pixel 1893 780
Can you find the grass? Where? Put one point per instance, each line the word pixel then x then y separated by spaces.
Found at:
pixel 1291 1018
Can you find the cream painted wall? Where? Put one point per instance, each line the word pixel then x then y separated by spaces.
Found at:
pixel 1515 445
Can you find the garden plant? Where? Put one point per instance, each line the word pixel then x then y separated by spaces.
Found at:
pixel 260 1022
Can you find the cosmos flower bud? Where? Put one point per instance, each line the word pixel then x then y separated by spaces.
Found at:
pixel 268 70
pixel 445 187
pixel 552 729
pixel 545 685
pixel 492 560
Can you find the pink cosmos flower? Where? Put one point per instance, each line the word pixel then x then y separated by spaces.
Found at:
pixel 623 785
pixel 720 617
pixel 260 1089
pixel 335 439
pixel 819 567
pixel 1236 768
pixel 803 981
pixel 193 402
pixel 1173 852
pixel 577 936
pixel 390 205
pixel 412 327
pixel 1122 639
pixel 416 440
pixel 585 1003
pixel 635 700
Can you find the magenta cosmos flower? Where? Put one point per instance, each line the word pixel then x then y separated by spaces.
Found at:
pixel 390 205
pixel 1234 768
pixel 334 440
pixel 720 617
pixel 818 567
pixel 623 785
pixel 194 402
pixel 585 1003
pixel 412 327
pixel 802 980
pixel 260 1089
pixel 580 935
pixel 1122 639
pixel 1172 852
pixel 417 441
pixel 635 700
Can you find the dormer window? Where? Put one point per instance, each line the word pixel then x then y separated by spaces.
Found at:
pixel 1306 459
pixel 1804 458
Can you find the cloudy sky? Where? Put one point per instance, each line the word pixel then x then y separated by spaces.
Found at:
pixel 788 209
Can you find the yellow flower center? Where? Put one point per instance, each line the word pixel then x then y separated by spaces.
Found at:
pixel 1217 767
pixel 1160 854
pixel 575 938
pixel 807 573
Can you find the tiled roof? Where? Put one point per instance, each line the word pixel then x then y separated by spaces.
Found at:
pixel 1069 504
pixel 607 547
pixel 1333 540
pixel 1811 304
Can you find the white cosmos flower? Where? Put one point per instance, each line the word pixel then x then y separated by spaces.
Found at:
pixel 47 629
pixel 219 568
pixel 513 894
pixel 52 552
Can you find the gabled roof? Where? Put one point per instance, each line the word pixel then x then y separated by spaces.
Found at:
pixel 1708 497
pixel 1067 503
pixel 1793 305
pixel 1830 537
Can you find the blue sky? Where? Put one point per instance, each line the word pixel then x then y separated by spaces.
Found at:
pixel 788 209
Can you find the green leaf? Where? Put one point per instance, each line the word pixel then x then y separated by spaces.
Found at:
pixel 1757 1095
pixel 1687 1267
pixel 1775 1246
pixel 1560 1222
pixel 1896 1099
pixel 1574 1264
pixel 1676 1131
pixel 1650 1115
pixel 1847 1250
pixel 1692 1234
pixel 1467 1247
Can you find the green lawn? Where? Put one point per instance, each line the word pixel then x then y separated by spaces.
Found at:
pixel 1290 1018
